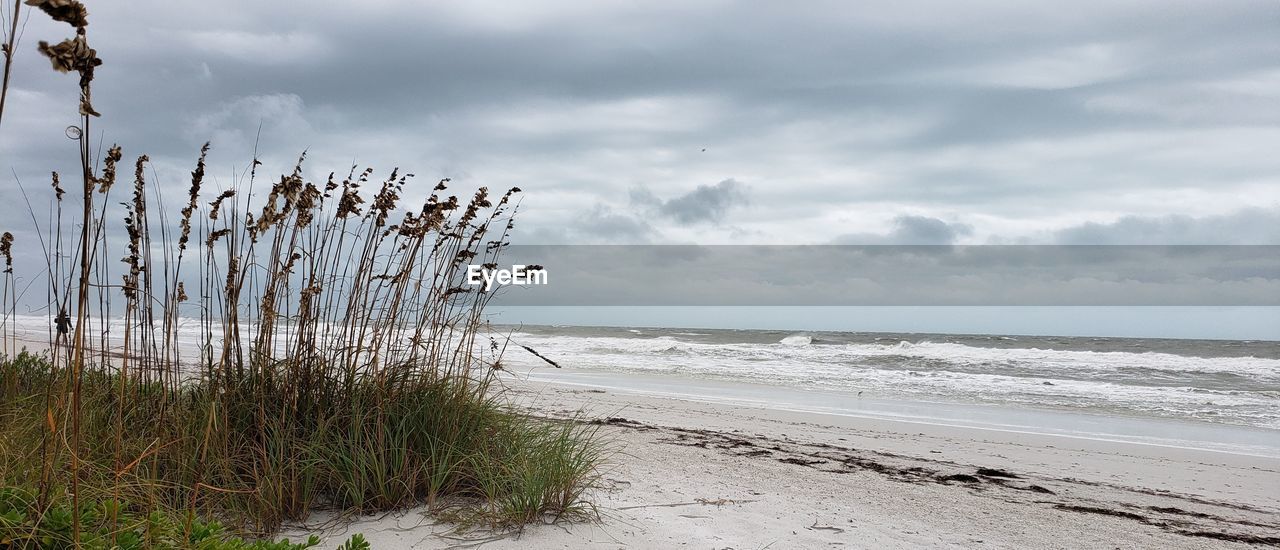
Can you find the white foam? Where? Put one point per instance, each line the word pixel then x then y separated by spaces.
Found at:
pixel 796 340
pixel 1143 383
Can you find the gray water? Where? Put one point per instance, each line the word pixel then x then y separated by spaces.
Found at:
pixel 1204 381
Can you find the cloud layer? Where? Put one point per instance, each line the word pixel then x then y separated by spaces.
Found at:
pixel 896 122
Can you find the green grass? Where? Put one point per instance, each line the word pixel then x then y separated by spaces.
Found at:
pixel 26 523
pixel 361 449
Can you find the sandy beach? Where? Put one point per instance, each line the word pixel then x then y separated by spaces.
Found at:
pixel 690 474
pixel 704 464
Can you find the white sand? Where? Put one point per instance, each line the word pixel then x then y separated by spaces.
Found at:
pixel 700 475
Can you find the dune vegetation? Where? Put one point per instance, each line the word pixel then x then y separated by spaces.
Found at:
pixel 258 353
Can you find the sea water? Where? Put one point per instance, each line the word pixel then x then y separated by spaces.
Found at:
pixel 1178 385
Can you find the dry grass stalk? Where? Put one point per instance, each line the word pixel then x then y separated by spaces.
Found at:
pixel 337 361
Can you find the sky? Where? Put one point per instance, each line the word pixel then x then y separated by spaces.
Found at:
pixel 708 122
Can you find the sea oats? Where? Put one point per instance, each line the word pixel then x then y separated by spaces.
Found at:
pixel 58 191
pixel 71 12
pixel 109 170
pixel 216 205
pixel 74 54
pixel 193 193
pixel 308 204
pixel 134 222
pixel 385 201
pixel 279 359
pixel 215 235
pixel 6 250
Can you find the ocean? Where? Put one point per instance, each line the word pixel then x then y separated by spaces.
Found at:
pixel 1213 382
pixel 1211 394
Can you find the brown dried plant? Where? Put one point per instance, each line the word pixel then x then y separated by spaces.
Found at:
pixel 339 361
pixel 6 250
pixel 71 12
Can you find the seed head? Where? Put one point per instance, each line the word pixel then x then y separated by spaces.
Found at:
pixel 74 54
pixel 71 12
pixel 6 250
pixel 197 179
pixel 217 203
pixel 109 171
pixel 58 191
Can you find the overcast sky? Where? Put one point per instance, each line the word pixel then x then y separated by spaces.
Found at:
pixel 1093 122
pixel 713 122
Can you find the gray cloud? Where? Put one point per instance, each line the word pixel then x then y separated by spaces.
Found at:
pixel 599 224
pixel 705 204
pixel 609 226
pixel 911 230
pixel 1247 226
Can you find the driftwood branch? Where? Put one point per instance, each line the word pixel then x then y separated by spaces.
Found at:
pixel 539 356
